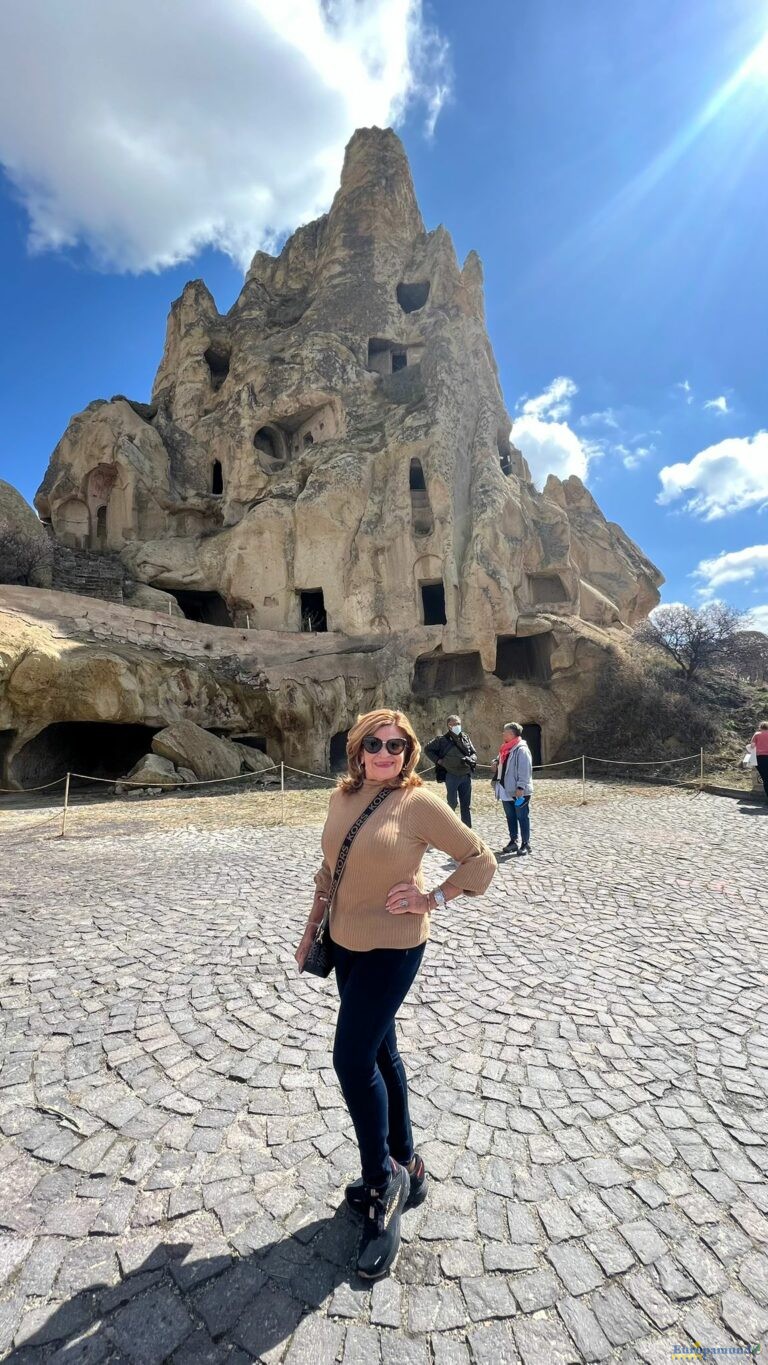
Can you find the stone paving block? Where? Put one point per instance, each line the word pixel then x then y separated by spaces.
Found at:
pixel 434 1308
pixel 488 1296
pixel 362 1346
pixel 493 1345
pixel 536 1291
pixel 316 1341
pixel 578 1270
pixel 639 1285
pixel 584 1328
pixel 151 1327
pixel 742 1316
pixel 386 1303
pixel 545 1339
pixel 619 1319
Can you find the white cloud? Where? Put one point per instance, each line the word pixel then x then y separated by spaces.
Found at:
pixel 633 456
pixel 550 445
pixel 550 448
pixel 686 390
pixel 149 131
pixel 732 566
pixel 606 418
pixel 758 618
pixel 718 404
pixel 553 403
pixel 726 477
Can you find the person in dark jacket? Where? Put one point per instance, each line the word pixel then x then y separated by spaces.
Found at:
pixel 454 753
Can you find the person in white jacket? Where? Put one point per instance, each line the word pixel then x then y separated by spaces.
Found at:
pixel 513 786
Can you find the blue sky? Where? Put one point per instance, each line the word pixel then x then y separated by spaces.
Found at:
pixel 608 162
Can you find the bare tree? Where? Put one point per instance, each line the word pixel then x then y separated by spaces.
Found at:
pixel 24 559
pixel 696 638
pixel 749 655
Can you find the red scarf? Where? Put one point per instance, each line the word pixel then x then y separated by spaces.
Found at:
pixel 506 749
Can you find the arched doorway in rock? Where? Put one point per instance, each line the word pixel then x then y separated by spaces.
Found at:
pixel 101 528
pixel 217 478
pixel 532 737
pixel 412 297
pixel 338 752
pixel 421 510
pixel 433 602
pixel 94 748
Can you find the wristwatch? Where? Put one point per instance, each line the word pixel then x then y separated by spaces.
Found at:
pixel 439 896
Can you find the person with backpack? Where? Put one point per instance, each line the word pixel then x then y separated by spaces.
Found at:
pixel 455 760
pixel 513 786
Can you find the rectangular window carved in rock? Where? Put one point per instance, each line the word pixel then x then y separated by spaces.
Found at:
pixel 313 613
pixel 520 657
pixel 433 603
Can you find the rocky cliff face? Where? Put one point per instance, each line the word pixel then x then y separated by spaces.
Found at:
pixel 334 454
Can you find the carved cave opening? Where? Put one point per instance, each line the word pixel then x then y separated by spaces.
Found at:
pixel 94 748
pixel 252 741
pixel 436 674
pixel 312 606
pixel 421 510
pixel 272 447
pixel 521 657
pixel 505 452
pixel 412 297
pixel 217 358
pixel 532 737
pixel 209 608
pixel 386 357
pixel 101 527
pixel 338 752
pixel 433 602
pixel 546 588
pixel 217 478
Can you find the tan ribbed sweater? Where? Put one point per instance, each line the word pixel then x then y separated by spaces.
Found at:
pixel 389 849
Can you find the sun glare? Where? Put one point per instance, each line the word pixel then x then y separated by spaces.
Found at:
pixel 757 61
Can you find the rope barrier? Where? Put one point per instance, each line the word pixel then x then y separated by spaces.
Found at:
pixel 303 773
pixel 21 791
pixel 168 786
pixel 641 763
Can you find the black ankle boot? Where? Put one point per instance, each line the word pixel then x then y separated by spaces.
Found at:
pixel 356 1193
pixel 380 1242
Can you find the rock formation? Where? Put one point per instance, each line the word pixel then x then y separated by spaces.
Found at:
pixel 333 457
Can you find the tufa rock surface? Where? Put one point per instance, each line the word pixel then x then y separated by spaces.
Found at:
pixel 331 460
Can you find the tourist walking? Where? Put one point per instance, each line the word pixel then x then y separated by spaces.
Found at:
pixel 454 753
pixel 759 743
pixel 513 786
pixel 370 894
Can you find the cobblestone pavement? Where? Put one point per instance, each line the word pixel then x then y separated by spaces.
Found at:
pixel 588 1048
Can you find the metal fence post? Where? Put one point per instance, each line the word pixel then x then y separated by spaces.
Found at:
pixel 64 812
pixel 583 779
pixel 282 792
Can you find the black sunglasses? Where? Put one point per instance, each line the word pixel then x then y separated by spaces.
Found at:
pixel 372 744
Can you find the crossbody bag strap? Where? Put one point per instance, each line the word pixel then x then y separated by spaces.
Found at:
pixel 341 861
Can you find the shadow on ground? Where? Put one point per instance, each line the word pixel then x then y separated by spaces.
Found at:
pixel 178 1306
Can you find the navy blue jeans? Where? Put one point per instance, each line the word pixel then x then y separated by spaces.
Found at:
pixel 372 987
pixel 518 814
pixel 461 788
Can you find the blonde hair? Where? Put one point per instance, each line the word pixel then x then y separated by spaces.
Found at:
pixel 368 725
pixel 763 725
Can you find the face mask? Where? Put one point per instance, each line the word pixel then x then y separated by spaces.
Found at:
pixel 455 729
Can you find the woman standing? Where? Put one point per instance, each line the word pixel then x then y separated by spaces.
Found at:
pixel 379 926
pixel 513 786
pixel 759 742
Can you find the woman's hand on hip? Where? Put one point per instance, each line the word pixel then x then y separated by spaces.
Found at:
pixel 406 899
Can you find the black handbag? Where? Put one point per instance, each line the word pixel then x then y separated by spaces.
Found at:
pixel 319 959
